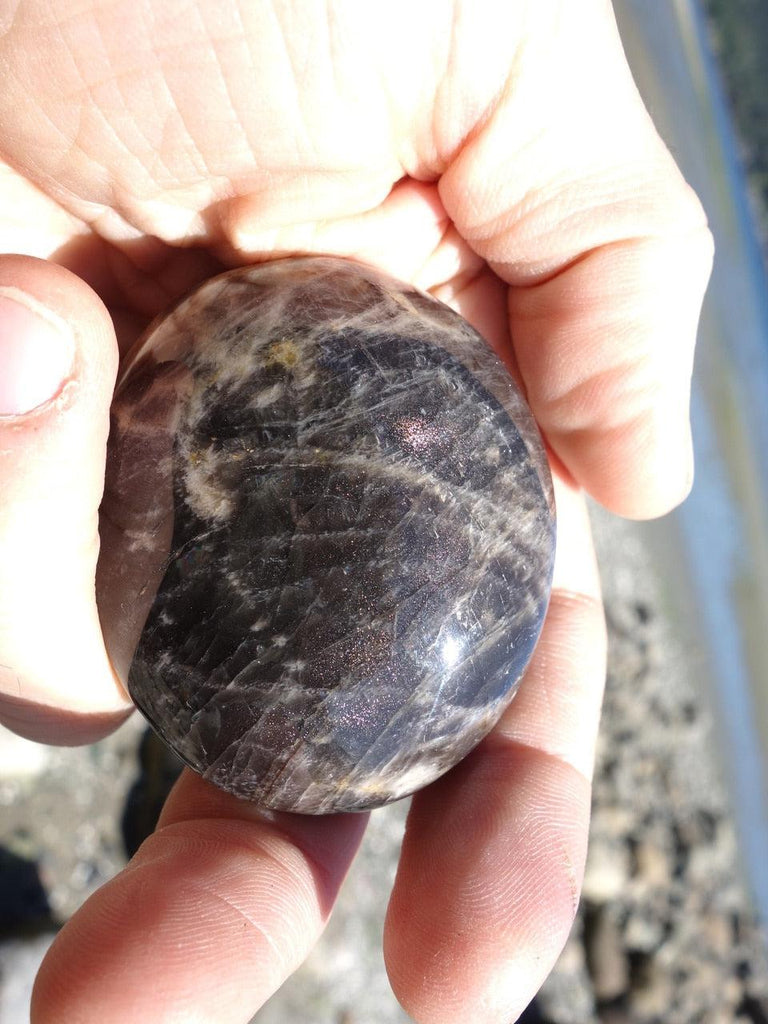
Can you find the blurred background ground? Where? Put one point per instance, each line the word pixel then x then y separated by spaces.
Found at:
pixel 738 34
pixel 666 930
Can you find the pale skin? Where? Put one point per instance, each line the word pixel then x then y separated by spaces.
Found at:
pixel 496 154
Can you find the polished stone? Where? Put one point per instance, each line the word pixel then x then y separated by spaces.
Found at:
pixel 328 535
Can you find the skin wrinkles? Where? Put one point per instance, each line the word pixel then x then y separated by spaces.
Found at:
pixel 175 97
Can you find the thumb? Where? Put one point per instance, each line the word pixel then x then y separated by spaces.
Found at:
pixel 58 359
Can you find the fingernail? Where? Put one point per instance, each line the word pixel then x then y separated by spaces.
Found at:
pixel 36 352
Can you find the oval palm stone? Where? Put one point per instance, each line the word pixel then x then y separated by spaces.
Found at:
pixel 328 534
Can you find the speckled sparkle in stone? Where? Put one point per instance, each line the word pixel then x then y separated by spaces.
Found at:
pixel 328 535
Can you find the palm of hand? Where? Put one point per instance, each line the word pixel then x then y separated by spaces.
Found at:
pixel 165 144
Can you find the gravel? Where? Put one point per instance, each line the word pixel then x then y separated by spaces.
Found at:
pixel 665 930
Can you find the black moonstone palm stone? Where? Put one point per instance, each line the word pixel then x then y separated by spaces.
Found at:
pixel 328 534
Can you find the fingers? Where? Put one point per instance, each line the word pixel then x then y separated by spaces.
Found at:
pixel 557 710
pixel 493 853
pixel 216 909
pixel 606 351
pixel 571 196
pixel 57 368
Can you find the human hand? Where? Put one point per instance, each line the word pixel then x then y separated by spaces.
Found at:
pixel 498 156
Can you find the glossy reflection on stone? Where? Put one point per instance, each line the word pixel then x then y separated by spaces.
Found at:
pixel 328 534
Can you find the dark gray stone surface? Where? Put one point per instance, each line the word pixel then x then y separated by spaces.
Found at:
pixel 328 500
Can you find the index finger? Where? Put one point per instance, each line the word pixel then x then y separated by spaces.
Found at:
pixel 221 890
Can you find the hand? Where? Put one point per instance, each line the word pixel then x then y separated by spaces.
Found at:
pixel 495 154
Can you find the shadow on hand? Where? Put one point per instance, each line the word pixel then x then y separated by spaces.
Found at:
pixel 158 770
